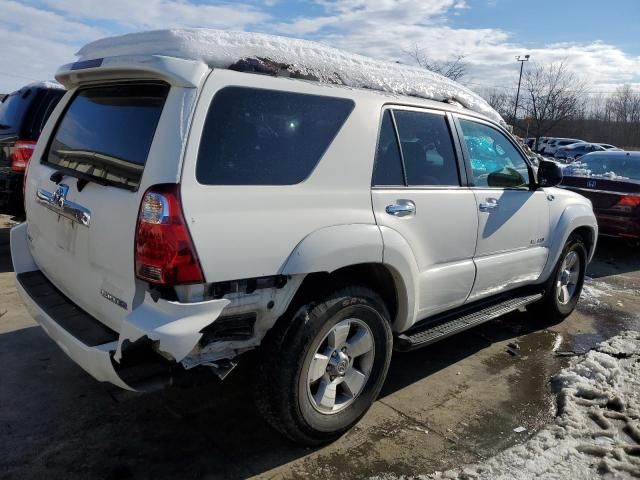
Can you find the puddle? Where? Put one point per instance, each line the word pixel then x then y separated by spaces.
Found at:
pixel 579 343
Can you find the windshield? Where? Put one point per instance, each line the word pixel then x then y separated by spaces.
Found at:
pixel 12 110
pixel 622 167
pixel 106 132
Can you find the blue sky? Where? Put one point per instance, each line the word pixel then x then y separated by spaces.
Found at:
pixel 542 22
pixel 599 39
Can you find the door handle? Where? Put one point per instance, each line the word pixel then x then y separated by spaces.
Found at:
pixel 490 204
pixel 402 208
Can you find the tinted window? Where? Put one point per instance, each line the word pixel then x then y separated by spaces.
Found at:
pixel 427 149
pixel 13 109
pixel 50 101
pixel 388 166
pixel 106 132
pixel 266 137
pixel 495 162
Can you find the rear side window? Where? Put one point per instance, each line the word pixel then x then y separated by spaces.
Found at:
pixel 266 137
pixel 13 109
pixel 427 149
pixel 388 166
pixel 49 101
pixel 106 132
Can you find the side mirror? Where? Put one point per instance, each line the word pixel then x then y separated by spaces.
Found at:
pixel 549 174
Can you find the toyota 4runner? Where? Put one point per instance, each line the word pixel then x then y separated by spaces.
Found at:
pixel 180 214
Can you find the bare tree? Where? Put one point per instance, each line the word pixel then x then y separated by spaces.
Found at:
pixel 624 105
pixel 500 101
pixel 454 69
pixel 552 94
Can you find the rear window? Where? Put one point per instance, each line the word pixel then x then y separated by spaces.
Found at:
pixel 106 132
pixel 610 166
pixel 266 137
pixel 12 109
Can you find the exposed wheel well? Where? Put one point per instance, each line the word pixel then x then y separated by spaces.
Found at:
pixel 587 236
pixel 375 276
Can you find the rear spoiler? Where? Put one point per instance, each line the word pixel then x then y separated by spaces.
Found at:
pixel 175 71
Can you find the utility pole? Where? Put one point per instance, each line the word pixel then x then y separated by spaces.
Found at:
pixel 521 60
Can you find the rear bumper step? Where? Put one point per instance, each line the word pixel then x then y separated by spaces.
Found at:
pixel 64 312
pixel 434 331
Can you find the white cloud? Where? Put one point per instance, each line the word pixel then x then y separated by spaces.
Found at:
pixel 35 42
pixel 154 14
pixel 38 37
pixel 388 29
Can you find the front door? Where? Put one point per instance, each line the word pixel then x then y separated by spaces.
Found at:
pixel 513 222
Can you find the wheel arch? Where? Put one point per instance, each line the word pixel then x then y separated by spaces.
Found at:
pixel 367 255
pixel 577 218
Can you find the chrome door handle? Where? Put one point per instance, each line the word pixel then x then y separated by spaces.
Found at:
pixel 402 208
pixel 490 204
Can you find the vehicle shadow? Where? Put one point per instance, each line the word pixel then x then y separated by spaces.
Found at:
pixel 5 253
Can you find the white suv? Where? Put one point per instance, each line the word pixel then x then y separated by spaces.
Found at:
pixel 180 215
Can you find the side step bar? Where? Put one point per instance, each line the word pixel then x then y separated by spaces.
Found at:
pixel 434 331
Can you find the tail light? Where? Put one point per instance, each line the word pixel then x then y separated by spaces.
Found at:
pixel 21 155
pixel 629 201
pixel 164 253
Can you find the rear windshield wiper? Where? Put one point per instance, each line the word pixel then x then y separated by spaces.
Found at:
pixel 84 178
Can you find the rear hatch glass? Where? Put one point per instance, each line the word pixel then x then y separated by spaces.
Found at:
pixel 12 110
pixel 106 133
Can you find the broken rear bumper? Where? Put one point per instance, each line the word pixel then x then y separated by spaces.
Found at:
pixel 95 360
pixel 166 331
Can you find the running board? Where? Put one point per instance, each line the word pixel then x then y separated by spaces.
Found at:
pixel 434 331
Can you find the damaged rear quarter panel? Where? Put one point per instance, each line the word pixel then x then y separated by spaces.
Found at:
pixel 175 326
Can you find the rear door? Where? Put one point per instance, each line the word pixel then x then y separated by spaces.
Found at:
pixel 513 222
pixel 417 192
pixel 84 191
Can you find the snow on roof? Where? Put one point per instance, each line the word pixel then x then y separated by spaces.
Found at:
pixel 45 84
pixel 222 49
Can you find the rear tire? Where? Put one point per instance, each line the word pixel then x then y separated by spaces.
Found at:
pixel 322 366
pixel 564 286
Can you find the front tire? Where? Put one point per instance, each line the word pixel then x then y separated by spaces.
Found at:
pixel 322 367
pixel 564 286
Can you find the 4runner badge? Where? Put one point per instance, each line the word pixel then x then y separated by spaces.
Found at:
pixel 113 299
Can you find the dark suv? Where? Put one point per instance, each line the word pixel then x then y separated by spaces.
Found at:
pixel 23 115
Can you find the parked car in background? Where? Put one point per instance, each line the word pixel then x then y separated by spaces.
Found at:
pixel 23 115
pixel 606 146
pixel 569 153
pixel 542 142
pixel 611 180
pixel 551 147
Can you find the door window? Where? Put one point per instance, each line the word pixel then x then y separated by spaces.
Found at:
pixel 427 149
pixel 495 162
pixel 388 166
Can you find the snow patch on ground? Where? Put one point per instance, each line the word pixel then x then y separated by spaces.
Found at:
pixel 221 49
pixel 594 293
pixel 596 433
